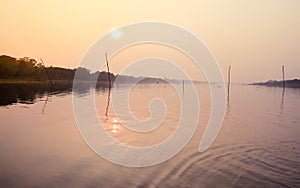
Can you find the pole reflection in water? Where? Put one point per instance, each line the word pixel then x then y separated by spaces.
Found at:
pixel 113 125
pixel 107 105
pixel 228 104
pixel 282 100
pixel 47 99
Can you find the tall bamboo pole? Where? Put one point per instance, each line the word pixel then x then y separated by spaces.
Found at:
pixel 109 85
pixel 229 69
pixel 46 72
pixel 182 86
pixel 283 77
pixel 109 88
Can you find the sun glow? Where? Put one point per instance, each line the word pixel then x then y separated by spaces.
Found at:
pixel 116 34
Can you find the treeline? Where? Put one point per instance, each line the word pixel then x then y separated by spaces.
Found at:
pixel 295 83
pixel 27 68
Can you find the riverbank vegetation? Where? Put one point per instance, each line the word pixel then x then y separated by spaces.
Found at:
pixel 28 70
pixel 295 83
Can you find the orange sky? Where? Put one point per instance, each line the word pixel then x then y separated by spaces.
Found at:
pixel 256 37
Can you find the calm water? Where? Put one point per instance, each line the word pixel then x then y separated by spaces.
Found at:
pixel 258 146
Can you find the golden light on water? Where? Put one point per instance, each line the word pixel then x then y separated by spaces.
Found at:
pixel 139 106
pixel 114 126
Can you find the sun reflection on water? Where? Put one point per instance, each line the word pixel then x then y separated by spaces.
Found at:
pixel 114 126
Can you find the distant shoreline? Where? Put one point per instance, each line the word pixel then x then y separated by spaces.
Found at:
pixel 31 81
pixel 295 83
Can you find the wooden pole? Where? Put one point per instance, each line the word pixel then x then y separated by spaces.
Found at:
pixel 229 69
pixel 283 77
pixel 46 72
pixel 109 85
pixel 109 88
pixel 182 85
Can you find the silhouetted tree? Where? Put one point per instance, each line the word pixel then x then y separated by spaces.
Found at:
pixel 8 66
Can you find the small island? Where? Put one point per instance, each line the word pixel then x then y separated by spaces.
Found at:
pixel 295 83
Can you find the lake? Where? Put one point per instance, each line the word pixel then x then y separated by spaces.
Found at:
pixel 257 146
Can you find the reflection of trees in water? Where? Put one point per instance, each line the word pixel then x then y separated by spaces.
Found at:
pixel 82 88
pixel 28 93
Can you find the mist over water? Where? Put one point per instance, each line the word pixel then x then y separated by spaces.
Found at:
pixel 258 145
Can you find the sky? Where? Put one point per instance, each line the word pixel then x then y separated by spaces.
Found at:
pixel 255 37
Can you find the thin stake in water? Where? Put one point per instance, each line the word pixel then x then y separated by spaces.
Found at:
pixel 283 77
pixel 108 70
pixel 46 72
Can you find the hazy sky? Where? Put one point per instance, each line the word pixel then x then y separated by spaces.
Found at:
pixel 256 37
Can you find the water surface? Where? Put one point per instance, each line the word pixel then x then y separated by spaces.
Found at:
pixel 258 145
